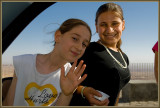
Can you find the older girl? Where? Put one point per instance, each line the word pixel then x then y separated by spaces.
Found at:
pixel 107 66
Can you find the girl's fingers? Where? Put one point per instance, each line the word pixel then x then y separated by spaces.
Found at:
pixel 78 67
pixel 96 93
pixel 82 78
pixel 80 72
pixel 73 67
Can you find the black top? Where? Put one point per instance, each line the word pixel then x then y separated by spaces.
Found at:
pixel 104 73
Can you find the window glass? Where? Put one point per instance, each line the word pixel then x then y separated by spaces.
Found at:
pixel 138 38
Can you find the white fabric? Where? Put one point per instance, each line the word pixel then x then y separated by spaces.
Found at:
pixel 33 88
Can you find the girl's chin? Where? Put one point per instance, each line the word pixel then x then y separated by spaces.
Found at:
pixel 72 60
pixel 109 38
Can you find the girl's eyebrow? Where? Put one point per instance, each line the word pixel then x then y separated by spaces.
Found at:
pixel 102 22
pixel 116 21
pixel 80 36
pixel 77 34
pixel 112 21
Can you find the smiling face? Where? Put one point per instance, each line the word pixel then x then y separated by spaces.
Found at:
pixel 109 27
pixel 72 44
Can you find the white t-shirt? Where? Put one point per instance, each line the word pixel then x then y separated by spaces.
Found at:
pixel 33 88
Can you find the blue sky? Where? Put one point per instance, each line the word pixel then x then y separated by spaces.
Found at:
pixel 138 38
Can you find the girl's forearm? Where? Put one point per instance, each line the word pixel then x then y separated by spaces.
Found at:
pixel 9 99
pixel 156 66
pixel 64 100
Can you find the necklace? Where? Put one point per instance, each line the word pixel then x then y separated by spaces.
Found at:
pixel 115 58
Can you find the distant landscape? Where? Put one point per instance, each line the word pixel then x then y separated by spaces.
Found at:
pixel 7 71
pixel 139 71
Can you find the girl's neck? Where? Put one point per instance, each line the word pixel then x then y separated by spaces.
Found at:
pixel 47 63
pixel 113 47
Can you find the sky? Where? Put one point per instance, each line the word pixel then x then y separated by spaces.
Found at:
pixel 138 38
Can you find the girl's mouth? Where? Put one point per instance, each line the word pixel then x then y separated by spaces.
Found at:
pixel 110 35
pixel 75 53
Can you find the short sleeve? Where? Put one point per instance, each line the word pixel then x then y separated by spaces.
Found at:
pixel 16 64
pixel 155 47
pixel 21 62
pixel 67 68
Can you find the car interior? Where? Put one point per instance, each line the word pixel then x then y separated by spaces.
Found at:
pixel 13 22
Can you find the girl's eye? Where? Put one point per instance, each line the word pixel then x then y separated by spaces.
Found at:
pixel 75 39
pixel 103 25
pixel 115 24
pixel 84 45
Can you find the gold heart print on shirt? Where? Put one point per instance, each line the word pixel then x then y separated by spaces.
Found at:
pixel 36 95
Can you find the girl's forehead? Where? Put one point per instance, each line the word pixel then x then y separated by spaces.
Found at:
pixel 109 16
pixel 79 28
pixel 110 13
pixel 81 31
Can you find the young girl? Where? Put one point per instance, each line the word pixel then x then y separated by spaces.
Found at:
pixel 49 79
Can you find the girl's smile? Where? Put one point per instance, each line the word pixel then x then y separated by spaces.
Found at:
pixel 75 53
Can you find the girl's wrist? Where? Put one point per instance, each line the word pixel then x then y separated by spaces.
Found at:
pixel 71 94
pixel 82 90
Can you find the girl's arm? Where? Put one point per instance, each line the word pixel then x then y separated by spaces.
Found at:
pixel 64 100
pixel 70 82
pixel 89 93
pixel 117 101
pixel 8 101
pixel 156 66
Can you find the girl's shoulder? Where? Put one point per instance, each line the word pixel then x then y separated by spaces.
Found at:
pixel 91 50
pixel 124 54
pixel 25 58
pixel 94 46
pixel 126 57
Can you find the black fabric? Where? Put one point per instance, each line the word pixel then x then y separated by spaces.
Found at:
pixel 104 73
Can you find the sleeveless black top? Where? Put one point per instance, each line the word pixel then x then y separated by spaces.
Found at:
pixel 104 73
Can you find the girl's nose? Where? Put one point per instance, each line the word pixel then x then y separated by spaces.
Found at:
pixel 109 29
pixel 79 46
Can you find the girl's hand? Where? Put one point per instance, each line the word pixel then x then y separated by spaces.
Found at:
pixel 73 78
pixel 89 94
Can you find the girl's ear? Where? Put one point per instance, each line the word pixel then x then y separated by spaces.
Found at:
pixel 57 36
pixel 123 25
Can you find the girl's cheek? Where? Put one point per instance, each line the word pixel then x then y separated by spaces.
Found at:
pixel 83 52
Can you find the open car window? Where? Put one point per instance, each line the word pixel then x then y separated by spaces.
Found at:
pixel 141 28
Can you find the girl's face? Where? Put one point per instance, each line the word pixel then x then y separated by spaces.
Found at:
pixel 109 27
pixel 73 43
